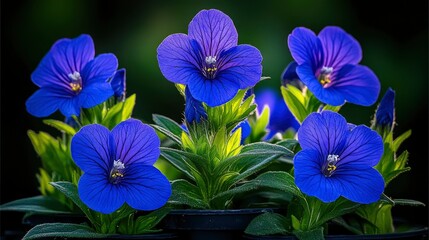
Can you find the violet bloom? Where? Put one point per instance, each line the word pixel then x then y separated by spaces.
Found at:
pixel 281 118
pixel 208 60
pixel 70 78
pixel 385 114
pixel 118 167
pixel 118 83
pixel 328 66
pixel 337 159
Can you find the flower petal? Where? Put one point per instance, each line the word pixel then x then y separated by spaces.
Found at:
pixel 44 102
pixel 385 114
pixel 358 84
pixel 329 96
pixel 339 47
pixel 179 58
pixel 214 31
pixel 145 187
pixel 194 109
pixel 99 194
pixel 359 183
pixel 100 69
pixel 70 107
pixel 364 146
pixel 136 143
pixel 90 149
pixel 94 94
pixel 242 63
pixel 65 57
pixel 119 83
pixel 214 92
pixel 305 47
pixel 325 132
pixel 309 178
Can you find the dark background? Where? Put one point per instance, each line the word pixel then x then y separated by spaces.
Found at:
pixel 393 36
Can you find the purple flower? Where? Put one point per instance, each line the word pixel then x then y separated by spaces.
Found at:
pixel 208 59
pixel 119 84
pixel 281 118
pixel 337 159
pixel 328 66
pixel 194 109
pixel 117 167
pixel 290 77
pixel 70 77
pixel 385 114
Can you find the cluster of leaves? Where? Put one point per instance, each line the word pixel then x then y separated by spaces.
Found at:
pixel 59 175
pixel 123 221
pixel 216 166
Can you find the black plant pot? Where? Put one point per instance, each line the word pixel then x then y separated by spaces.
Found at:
pixel 210 224
pixel 415 233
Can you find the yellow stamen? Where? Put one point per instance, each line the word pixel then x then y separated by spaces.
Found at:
pixel 76 87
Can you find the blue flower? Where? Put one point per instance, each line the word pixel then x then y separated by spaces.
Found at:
pixel 385 114
pixel 337 159
pixel 70 77
pixel 118 167
pixel 328 66
pixel 208 59
pixel 290 77
pixel 281 118
pixel 245 130
pixel 194 109
pixel 119 84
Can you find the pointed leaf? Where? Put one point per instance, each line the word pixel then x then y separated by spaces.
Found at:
pixel 314 234
pixel 37 204
pixel 187 194
pixel 146 223
pixel 61 126
pixel 409 202
pixel 167 133
pixel 399 140
pixel 168 124
pixel 268 224
pixel 70 191
pixel 282 181
pixel 62 230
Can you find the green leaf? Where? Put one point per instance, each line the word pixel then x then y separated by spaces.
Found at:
pixel 37 204
pixel 282 181
pixel 167 133
pixel 178 160
pixel 146 223
pixel 295 101
pixel 314 234
pixel 61 126
pixel 259 125
pixel 318 213
pixel 392 175
pixel 128 107
pixel 231 113
pixel 268 224
pixel 409 202
pixel 399 140
pixel 62 230
pixel 183 192
pixel 331 108
pixel 168 124
pixel 253 157
pixel 70 191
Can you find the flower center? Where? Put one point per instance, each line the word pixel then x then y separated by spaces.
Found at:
pixel 330 165
pixel 209 69
pixel 76 81
pixel 325 75
pixel 117 172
